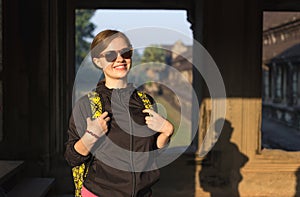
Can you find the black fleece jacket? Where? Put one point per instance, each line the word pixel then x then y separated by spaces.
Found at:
pixel 123 163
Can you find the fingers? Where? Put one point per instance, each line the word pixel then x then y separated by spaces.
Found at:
pixel 98 126
pixel 107 119
pixel 150 112
pixel 148 119
pixel 103 115
pixel 152 115
pixel 154 121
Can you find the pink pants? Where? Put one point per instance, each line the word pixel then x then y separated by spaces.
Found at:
pixel 87 193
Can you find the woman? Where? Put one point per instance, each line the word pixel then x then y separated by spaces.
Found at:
pixel 124 129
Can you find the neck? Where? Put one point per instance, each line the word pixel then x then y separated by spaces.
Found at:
pixel 116 84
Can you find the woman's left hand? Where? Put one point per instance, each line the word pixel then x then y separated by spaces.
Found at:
pixel 157 123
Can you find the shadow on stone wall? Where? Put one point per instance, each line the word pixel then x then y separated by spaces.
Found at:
pixel 297 173
pixel 220 169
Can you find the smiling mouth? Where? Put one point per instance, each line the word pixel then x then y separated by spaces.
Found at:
pixel 120 67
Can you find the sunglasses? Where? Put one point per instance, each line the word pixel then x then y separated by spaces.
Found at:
pixel 111 56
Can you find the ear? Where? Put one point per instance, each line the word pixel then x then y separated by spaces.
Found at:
pixel 97 62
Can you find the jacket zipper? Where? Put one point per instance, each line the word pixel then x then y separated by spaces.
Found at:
pixel 131 147
pixel 131 157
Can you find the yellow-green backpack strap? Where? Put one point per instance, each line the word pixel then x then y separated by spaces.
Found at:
pixel 96 105
pixel 78 177
pixel 81 171
pixel 145 100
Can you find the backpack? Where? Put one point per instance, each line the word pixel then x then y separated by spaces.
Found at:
pixel 80 172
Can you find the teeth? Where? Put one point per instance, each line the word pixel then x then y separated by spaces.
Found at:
pixel 119 66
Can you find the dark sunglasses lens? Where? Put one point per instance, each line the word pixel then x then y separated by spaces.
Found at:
pixel 126 53
pixel 111 56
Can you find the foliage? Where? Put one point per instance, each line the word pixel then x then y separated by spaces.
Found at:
pixel 153 54
pixel 84 30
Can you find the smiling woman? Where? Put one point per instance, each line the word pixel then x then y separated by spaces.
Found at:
pixel 167 38
pixel 108 144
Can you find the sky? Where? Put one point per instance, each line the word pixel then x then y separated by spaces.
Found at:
pixel 145 27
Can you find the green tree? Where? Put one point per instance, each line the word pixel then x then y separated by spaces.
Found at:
pixel 154 54
pixel 84 30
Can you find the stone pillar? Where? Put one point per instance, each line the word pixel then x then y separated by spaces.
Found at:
pixel 235 47
pixel 293 84
pixel 266 84
pixel 277 72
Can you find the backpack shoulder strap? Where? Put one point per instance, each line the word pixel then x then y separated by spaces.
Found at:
pixel 95 103
pixel 145 100
pixel 81 171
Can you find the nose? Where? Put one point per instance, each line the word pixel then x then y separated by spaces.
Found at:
pixel 119 57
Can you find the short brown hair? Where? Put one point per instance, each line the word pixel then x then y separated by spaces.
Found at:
pixel 102 40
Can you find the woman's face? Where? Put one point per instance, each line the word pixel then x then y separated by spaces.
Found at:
pixel 115 65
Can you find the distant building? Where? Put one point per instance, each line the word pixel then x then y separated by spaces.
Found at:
pixel 180 57
pixel 281 68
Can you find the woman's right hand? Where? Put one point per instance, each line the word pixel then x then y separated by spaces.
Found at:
pixel 98 126
pixel 95 129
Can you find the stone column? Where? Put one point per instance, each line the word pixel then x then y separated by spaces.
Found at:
pixel 277 81
pixel 294 83
pixel 266 84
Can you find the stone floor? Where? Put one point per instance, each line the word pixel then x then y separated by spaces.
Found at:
pixel 177 179
pixel 276 135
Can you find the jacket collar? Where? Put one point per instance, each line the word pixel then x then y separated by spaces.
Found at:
pixel 101 88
